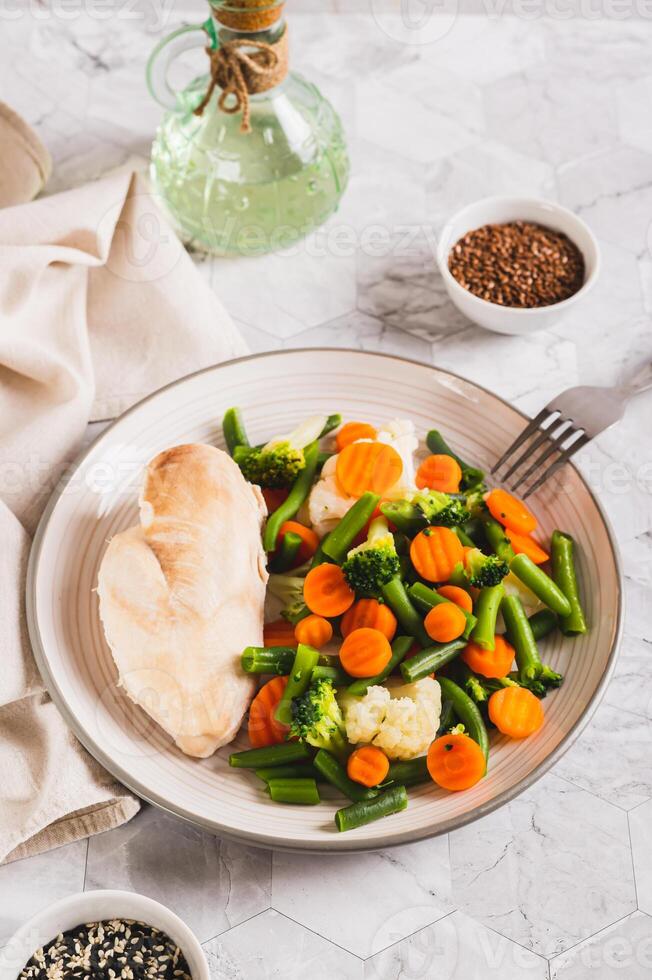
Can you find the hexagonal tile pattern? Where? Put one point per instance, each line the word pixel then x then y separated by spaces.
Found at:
pixel 364 332
pixel 547 871
pixel 539 109
pixel 212 884
pixel 622 950
pixel 613 194
pixel 639 829
pixel 288 291
pixel 611 759
pixel 272 947
pixel 456 948
pixel 403 288
pixel 367 902
pixel 32 884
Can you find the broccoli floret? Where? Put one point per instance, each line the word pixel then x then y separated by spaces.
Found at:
pixel 475 502
pixel 276 465
pixel 275 468
pixel 541 685
pixel 485 570
pixel 289 590
pixel 317 719
pixel 441 509
pixel 374 563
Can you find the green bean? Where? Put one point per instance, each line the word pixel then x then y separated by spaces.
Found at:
pixel 357 814
pixel 298 681
pixel 521 635
pixel 467 711
pixel 431 659
pixel 302 791
pixel 341 538
pixel 396 597
pixel 331 423
pixel 271 755
pixel 234 430
pixel 400 647
pixel 406 517
pixel 322 459
pixel 542 623
pixel 337 675
pixel 286 556
pixel 486 611
pixel 425 598
pixel 299 770
pixel 335 773
pixel 409 773
pixel 300 490
pixel 464 538
pixel 471 475
pixel 541 584
pixel 498 540
pixel 267 660
pixel 446 718
pixel 563 573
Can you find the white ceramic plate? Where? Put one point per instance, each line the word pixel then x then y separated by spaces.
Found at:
pixel 275 391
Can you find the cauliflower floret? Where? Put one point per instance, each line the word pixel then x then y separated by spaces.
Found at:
pixel 400 434
pixel 364 716
pixel 328 504
pixel 401 719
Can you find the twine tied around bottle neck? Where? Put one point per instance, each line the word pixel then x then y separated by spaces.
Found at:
pixel 241 73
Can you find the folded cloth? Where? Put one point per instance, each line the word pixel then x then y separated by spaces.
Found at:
pixel 99 306
pixel 25 164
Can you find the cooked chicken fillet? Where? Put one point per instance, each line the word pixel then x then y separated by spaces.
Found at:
pixel 182 594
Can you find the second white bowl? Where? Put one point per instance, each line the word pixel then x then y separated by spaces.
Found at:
pixel 95 906
pixel 498 210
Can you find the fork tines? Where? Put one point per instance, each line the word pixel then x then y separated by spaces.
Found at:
pixel 555 436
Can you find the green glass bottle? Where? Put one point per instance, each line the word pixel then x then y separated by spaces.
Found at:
pixel 244 193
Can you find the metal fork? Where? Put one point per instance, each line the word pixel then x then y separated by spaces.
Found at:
pixel 567 423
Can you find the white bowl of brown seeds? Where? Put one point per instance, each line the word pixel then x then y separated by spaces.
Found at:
pixel 516 265
pixel 106 935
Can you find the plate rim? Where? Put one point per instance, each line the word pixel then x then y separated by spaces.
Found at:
pixel 340 843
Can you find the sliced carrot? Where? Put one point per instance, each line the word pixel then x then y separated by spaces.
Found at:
pixel 280 633
pixel 369 612
pixel 455 762
pixel 515 711
pixel 274 498
pixel 263 728
pixel 366 466
pixel 365 652
pixel 445 622
pixel 457 595
pixel 439 472
pixel 367 765
pixel 490 663
pixel 435 552
pixel 309 539
pixel 314 631
pixel 524 544
pixel 511 512
pixel 326 591
pixel 351 432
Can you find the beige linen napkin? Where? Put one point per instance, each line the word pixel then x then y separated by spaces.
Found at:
pixel 99 306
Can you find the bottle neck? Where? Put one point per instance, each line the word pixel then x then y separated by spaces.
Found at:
pixel 267 35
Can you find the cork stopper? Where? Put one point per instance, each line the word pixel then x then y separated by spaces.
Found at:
pixel 248 15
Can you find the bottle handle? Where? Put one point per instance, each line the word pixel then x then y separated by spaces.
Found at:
pixel 161 60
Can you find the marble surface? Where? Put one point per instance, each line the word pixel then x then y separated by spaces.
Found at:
pixel 559 883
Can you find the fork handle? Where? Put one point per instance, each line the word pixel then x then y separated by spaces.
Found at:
pixel 641 380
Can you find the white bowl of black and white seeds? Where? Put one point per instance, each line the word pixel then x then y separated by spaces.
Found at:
pixel 517 265
pixel 106 935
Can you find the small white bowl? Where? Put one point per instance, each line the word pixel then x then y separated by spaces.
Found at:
pixel 94 906
pixel 497 210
